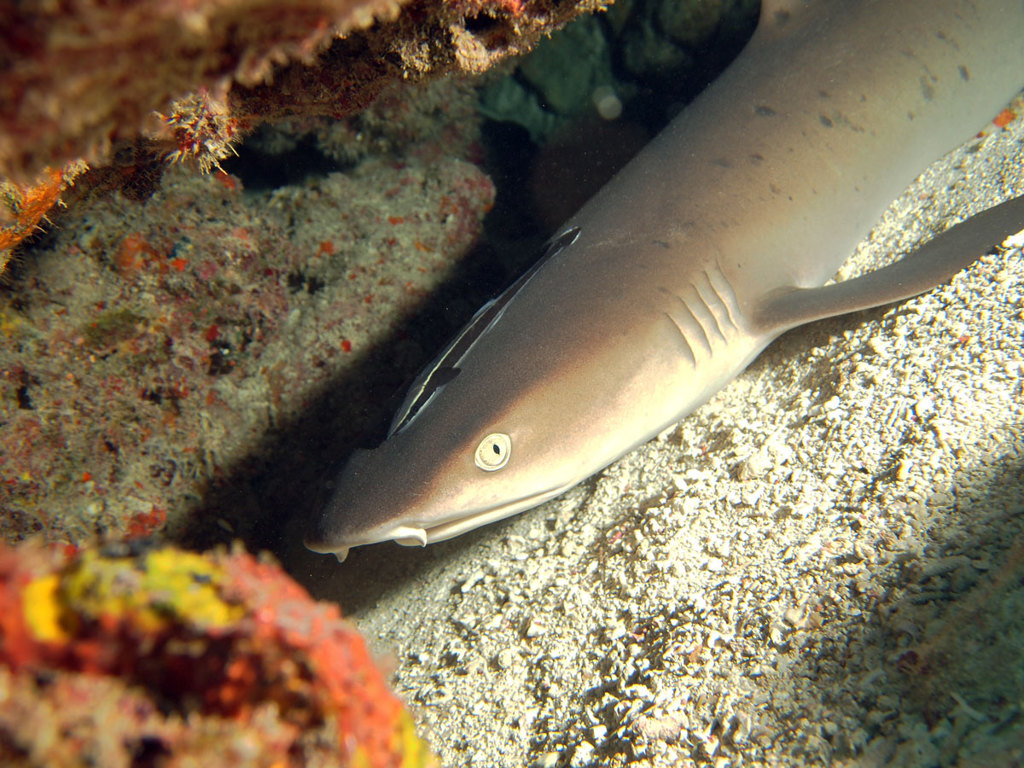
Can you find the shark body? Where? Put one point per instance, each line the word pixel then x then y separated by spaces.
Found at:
pixel 714 240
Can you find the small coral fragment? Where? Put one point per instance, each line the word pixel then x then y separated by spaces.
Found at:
pixel 202 130
pixel 199 659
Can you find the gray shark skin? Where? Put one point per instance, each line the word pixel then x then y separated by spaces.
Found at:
pixel 714 240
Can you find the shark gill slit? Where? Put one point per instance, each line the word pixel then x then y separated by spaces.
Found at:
pixel 687 349
pixel 694 326
pixel 701 310
pixel 727 297
pixel 711 305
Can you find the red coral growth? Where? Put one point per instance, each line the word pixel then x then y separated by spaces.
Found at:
pixel 286 612
pixel 194 655
pixel 18 640
pixel 135 253
pixel 146 523
pixel 22 207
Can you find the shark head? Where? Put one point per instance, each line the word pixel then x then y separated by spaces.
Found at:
pixel 471 444
pixel 439 477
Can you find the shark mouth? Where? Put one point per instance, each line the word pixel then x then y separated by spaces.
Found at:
pixel 420 535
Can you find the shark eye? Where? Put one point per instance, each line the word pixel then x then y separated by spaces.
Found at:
pixel 493 451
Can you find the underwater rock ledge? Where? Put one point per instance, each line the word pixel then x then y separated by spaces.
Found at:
pixel 78 79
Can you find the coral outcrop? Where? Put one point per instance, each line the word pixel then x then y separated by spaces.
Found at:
pixel 138 656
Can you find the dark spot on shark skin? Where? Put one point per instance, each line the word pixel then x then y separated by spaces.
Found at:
pixel 840 120
pixel 964 74
pixel 756 159
pixel 721 162
pixel 943 36
pixel 824 95
pixel 927 90
pixel 764 111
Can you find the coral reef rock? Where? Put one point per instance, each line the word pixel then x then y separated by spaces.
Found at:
pixel 141 655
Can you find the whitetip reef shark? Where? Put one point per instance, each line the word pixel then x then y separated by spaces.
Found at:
pixel 714 240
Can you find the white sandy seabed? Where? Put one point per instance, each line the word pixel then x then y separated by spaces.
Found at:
pixel 823 565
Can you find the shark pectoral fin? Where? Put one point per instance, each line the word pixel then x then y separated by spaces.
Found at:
pixel 934 263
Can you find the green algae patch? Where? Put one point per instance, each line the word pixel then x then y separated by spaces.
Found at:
pixel 110 327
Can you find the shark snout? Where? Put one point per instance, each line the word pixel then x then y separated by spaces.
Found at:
pixel 371 502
